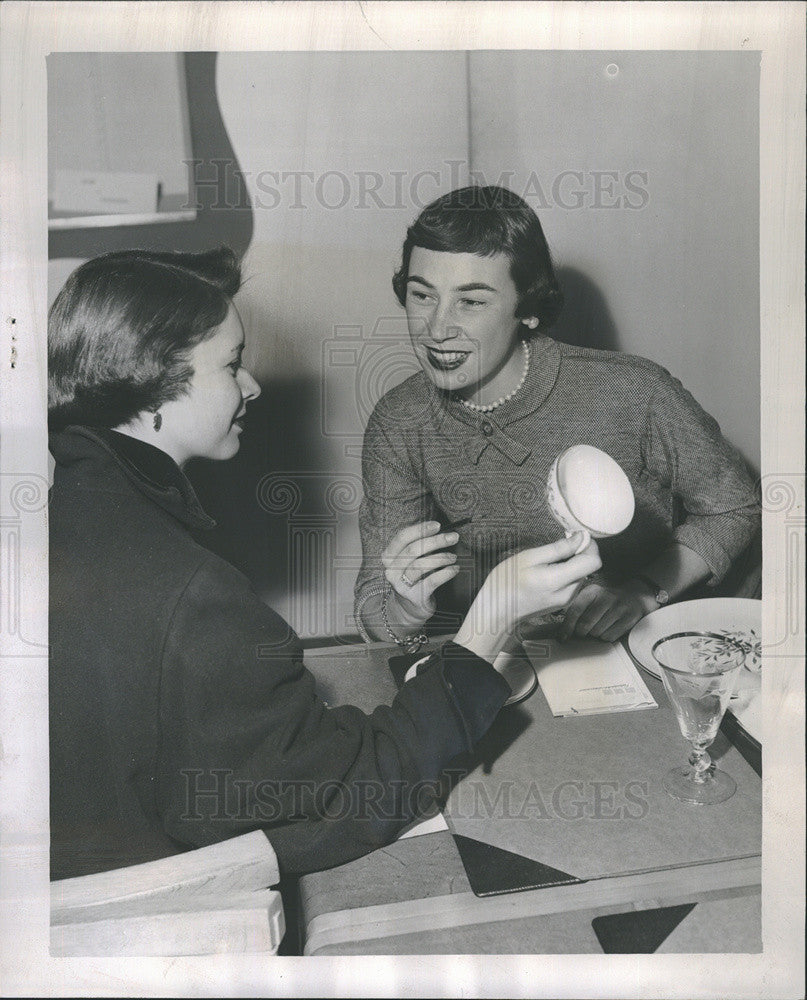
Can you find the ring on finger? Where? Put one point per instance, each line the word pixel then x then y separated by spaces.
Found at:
pixel 406 580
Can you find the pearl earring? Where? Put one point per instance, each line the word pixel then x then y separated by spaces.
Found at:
pixel 531 323
pixel 158 420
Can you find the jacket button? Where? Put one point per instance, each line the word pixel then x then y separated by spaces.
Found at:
pixel 487 428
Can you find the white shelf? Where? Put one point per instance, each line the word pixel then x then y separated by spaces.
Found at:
pixel 106 221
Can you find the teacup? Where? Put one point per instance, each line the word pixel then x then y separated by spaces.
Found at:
pixel 587 491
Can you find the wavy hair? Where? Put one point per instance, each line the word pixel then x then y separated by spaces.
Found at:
pixel 121 330
pixel 486 221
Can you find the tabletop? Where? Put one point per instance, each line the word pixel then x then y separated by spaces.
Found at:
pixel 623 887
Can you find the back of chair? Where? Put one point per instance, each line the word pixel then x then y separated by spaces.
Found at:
pixel 209 900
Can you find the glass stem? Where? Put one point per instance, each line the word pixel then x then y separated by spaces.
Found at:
pixel 701 763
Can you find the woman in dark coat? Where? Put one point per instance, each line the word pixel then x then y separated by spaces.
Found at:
pixel 180 709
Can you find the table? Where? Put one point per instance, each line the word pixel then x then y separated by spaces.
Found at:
pixel 414 897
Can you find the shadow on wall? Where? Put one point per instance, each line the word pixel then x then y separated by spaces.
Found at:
pixel 585 320
pixel 281 435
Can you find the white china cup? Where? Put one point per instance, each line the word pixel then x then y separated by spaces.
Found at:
pixel 588 491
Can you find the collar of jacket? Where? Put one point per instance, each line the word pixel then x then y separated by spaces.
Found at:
pixel 489 428
pixel 151 471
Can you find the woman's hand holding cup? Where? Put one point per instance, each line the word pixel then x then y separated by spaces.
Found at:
pixel 541 579
pixel 416 563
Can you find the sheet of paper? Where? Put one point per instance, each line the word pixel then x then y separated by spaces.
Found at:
pixel 431 824
pixel 587 677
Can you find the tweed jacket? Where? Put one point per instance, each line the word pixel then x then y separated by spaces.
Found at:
pixel 427 457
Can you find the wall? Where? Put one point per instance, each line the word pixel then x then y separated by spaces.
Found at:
pixel 677 278
pixel 339 151
pixel 316 134
pixel 93 116
pixel 222 209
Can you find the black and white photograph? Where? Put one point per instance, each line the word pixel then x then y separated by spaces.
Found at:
pixel 403 499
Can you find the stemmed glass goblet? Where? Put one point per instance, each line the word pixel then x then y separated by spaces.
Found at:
pixel 699 671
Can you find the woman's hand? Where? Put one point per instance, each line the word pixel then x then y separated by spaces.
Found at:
pixel 607 611
pixel 535 580
pixel 416 564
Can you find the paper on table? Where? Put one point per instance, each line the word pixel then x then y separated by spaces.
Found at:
pixel 432 824
pixel 587 677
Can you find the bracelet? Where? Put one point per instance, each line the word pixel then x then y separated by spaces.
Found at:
pixel 410 645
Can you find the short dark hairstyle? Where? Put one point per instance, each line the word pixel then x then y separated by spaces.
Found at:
pixel 486 221
pixel 122 327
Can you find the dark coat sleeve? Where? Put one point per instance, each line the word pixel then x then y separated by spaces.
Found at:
pixel 246 742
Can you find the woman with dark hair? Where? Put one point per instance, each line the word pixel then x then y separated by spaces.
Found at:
pixel 485 222
pixel 456 458
pixel 181 712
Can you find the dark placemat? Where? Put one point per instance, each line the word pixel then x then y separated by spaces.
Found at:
pixel 750 748
pixel 638 932
pixel 493 871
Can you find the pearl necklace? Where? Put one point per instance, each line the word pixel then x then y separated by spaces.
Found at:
pixel 478 408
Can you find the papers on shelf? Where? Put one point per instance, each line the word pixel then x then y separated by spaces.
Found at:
pixel 587 677
pixel 101 192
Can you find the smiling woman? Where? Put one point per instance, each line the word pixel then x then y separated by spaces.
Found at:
pixel 464 332
pixel 472 437
pixel 205 421
pixel 127 331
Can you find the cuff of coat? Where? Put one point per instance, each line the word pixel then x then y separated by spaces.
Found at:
pixel 478 690
pixel 711 551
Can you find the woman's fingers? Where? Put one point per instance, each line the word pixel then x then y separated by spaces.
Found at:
pixel 617 629
pixel 581 566
pixel 603 611
pixel 561 555
pixel 416 541
pixel 416 563
pixel 562 549
pixel 575 609
pixel 438 578
pixel 602 627
pixel 565 572
pixel 413 572
pixel 585 611
pixel 418 596
pixel 422 547
pixel 404 537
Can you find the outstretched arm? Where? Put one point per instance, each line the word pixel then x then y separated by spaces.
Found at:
pixel 246 743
